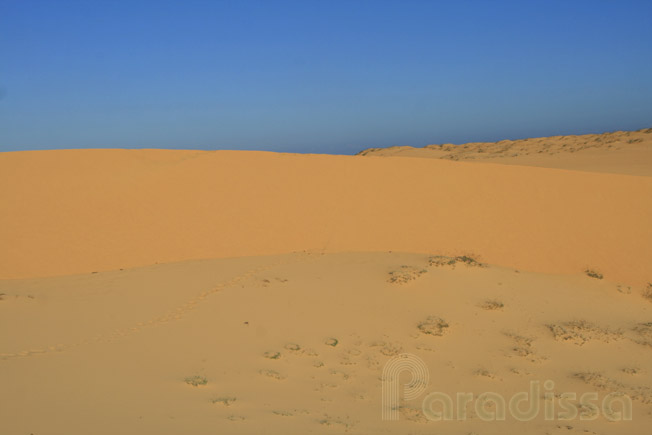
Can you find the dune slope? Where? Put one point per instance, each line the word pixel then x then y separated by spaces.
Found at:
pixel 82 211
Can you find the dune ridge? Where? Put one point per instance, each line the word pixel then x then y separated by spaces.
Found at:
pixel 621 152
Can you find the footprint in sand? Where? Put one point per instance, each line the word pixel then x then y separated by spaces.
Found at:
pixel 484 373
pixel 626 290
pixel 348 356
pixel 296 349
pixel 386 348
pixel 266 282
pixel 173 315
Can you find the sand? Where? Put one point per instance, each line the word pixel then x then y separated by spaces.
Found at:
pixel 83 211
pixel 194 292
pixel 620 152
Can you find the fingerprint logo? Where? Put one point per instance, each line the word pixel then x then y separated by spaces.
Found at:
pixel 405 362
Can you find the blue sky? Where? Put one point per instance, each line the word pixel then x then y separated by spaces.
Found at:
pixel 318 76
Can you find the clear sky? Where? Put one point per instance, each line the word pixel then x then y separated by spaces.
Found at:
pixel 318 76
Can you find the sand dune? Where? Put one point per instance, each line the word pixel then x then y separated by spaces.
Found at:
pixel 620 152
pixel 82 211
pixel 297 344
pixel 167 292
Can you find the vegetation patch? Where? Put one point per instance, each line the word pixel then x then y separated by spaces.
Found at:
pixel 405 274
pixel 580 332
pixel 272 355
pixel 647 293
pixel 331 342
pixel 433 326
pixel 226 401
pixel 593 274
pixel 196 380
pixel 491 305
pixel 443 260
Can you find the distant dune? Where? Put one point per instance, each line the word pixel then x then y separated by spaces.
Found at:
pixel 620 152
pixel 81 211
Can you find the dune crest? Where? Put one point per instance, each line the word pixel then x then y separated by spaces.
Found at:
pixel 620 152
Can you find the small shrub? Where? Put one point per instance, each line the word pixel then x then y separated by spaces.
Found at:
pixel 433 326
pixel 196 380
pixel 593 274
pixel 272 355
pixel 469 261
pixel 492 305
pixel 283 413
pixel 405 274
pixel 226 401
pixel 647 293
pixel 443 260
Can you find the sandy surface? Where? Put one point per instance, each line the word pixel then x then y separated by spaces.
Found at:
pixel 620 152
pixel 167 292
pixel 82 211
pixel 112 352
